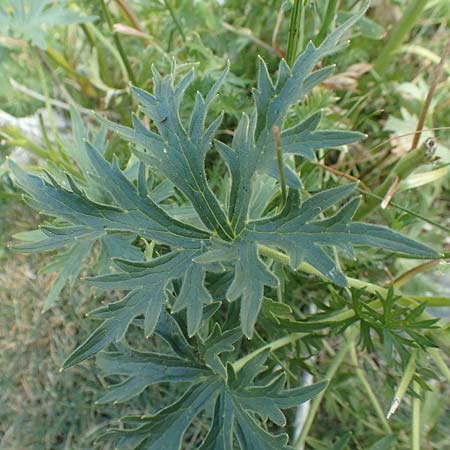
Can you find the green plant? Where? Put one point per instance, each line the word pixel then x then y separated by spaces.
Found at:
pixel 27 19
pixel 214 248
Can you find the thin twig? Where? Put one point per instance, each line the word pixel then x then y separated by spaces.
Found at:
pixel 130 14
pixel 45 134
pixel 118 43
pixel 401 208
pixel 175 20
pixel 404 277
pixel 56 103
pixel 341 174
pixel 334 366
pixel 276 30
pixel 434 81
pixel 368 388
pixel 386 141
pixel 246 33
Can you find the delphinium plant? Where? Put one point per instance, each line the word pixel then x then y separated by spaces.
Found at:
pixel 204 275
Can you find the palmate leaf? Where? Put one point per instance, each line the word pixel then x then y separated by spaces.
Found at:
pixel 254 149
pixel 76 242
pixel 225 238
pixel 177 153
pixel 193 243
pixel 239 401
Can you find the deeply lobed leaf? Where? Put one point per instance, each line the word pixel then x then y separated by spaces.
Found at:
pixel 106 204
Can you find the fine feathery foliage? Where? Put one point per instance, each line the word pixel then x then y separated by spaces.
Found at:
pixel 168 291
pixel 27 19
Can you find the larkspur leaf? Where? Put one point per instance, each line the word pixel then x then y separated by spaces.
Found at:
pixel 216 344
pixel 202 242
pixel 143 369
pixel 68 265
pixel 250 277
pixel 193 296
pixel 236 398
pixel 296 232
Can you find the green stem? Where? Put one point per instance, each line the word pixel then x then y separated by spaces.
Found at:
pixel 14 137
pixel 175 20
pixel 362 212
pixel 372 397
pixel 398 35
pixel 107 44
pixel 415 425
pixel 275 345
pixel 352 282
pixel 276 134
pixel 295 31
pixel 404 383
pixel 439 360
pixel 331 372
pixel 402 169
pixel 329 16
pixel 43 81
pixel 48 143
pixel 88 34
pixel 118 43
pixel 128 12
pixel 433 84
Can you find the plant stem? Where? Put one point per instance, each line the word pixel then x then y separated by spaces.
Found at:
pixel 401 170
pixel 439 360
pixel 434 81
pixel 118 43
pixel 406 276
pixel 48 143
pixel 372 397
pixel 276 135
pixel 129 13
pixel 247 34
pixel 295 31
pixel 331 372
pixel 175 20
pixel 329 16
pixel 404 383
pixel 14 137
pixel 379 199
pixel 46 93
pixel 275 345
pixel 415 425
pixel 403 27
pixel 352 282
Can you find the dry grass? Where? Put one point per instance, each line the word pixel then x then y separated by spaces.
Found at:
pixel 40 407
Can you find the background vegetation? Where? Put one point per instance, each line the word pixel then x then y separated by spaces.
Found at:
pixel 56 54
